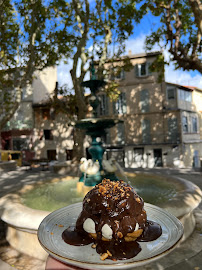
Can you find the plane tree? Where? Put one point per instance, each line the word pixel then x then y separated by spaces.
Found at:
pixel 179 30
pixel 98 29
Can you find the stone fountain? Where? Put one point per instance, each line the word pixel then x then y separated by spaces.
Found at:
pixel 96 128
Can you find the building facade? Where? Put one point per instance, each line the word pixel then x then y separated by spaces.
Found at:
pixel 161 121
pixel 19 131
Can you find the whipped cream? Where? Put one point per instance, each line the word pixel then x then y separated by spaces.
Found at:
pixel 89 226
pixel 107 231
pixel 136 227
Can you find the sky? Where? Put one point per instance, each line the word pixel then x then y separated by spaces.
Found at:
pixel 136 45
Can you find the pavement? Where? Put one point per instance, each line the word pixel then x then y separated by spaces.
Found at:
pixel 187 256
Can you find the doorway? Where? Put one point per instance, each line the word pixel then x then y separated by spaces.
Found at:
pixel 158 162
pixel 51 155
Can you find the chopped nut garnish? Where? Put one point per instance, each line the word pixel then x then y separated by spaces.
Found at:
pixel 109 253
pixel 104 256
pixel 137 200
pixel 119 234
pixel 93 245
pixel 60 225
pixel 129 239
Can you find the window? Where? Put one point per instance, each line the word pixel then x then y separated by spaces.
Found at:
pixel 194 124
pixel 69 154
pixel 45 114
pixel 142 70
pixel 184 123
pixel 172 130
pixel 48 134
pixel 103 106
pixel 118 74
pixel 19 144
pixel 106 138
pixel 51 154
pixel 170 93
pixel 185 95
pixel 146 138
pixel 120 133
pixel 120 104
pixel 144 100
pixel 139 156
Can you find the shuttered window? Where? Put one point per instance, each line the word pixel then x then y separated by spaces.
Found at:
pixel 120 133
pixel 144 100
pixel 120 105
pixel 142 70
pixel 103 107
pixel 146 136
pixel 172 130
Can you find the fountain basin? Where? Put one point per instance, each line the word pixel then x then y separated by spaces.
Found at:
pixel 23 221
pixel 96 126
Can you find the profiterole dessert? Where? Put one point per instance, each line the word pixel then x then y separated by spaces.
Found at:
pixel 114 219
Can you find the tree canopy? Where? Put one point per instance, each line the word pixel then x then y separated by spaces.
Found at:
pixel 180 31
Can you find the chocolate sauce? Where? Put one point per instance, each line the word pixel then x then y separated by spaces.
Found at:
pixel 72 237
pixel 120 249
pixel 151 232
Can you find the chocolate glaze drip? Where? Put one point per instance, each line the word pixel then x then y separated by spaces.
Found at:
pixel 72 237
pixel 151 232
pixel 119 206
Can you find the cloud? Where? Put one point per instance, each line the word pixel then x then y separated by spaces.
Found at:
pixel 179 76
pixel 136 45
pixel 63 74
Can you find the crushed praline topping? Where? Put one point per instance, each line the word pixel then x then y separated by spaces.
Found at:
pixel 113 190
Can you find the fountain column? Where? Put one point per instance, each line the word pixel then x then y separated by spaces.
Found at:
pixel 95 127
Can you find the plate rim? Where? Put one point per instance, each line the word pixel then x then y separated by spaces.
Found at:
pixel 121 265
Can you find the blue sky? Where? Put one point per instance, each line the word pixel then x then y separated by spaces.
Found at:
pixel 136 45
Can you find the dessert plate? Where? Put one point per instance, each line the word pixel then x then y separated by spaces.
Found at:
pixel 50 237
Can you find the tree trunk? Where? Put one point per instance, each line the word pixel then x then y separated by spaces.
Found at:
pixel 78 148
